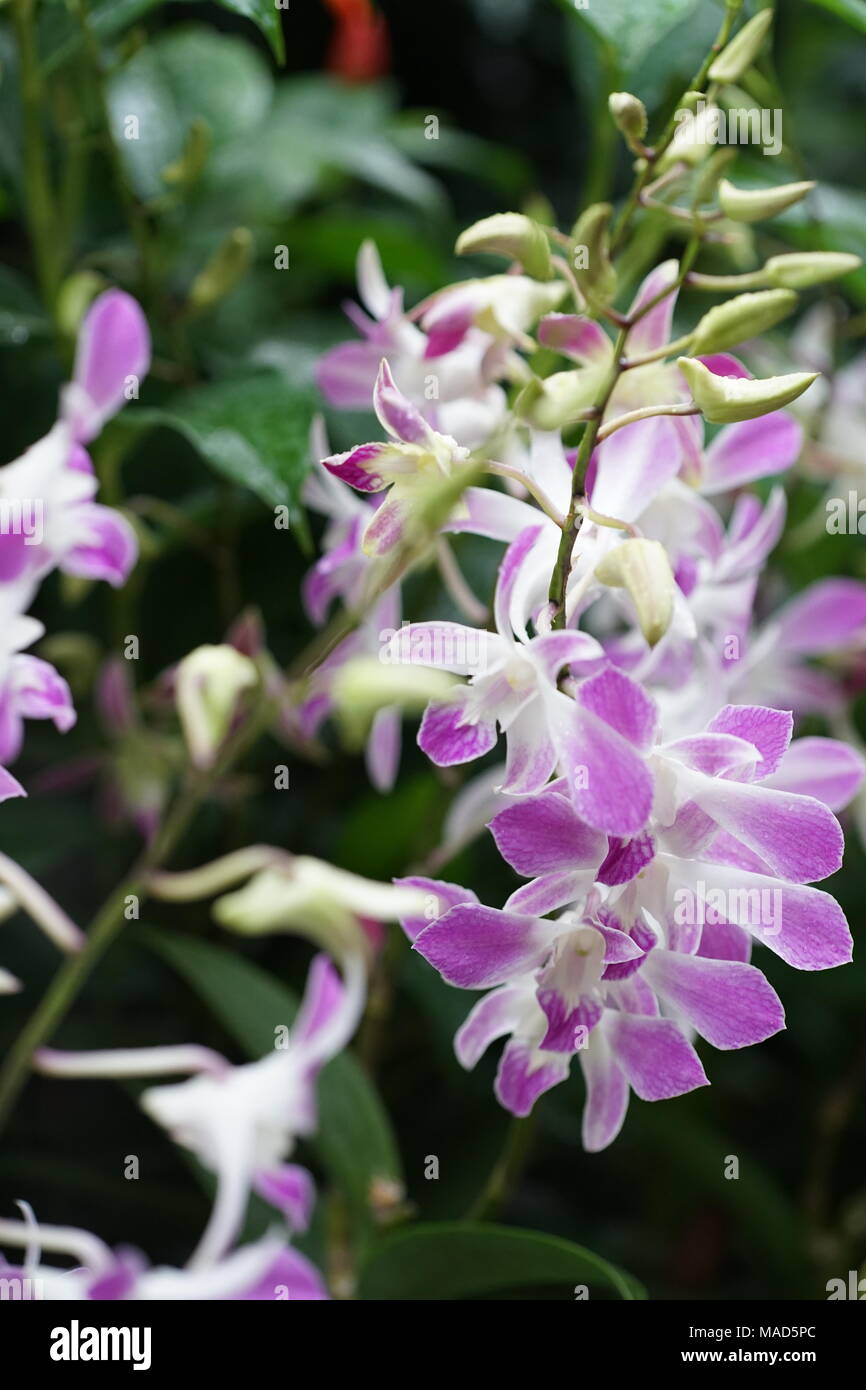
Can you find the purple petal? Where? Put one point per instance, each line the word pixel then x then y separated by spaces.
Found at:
pixel 626 858
pixel 728 1003
pixel 492 1017
pixel 443 896
pixel 824 768
pixel 751 449
pixel 524 1075
pixel 576 337
pixel 768 729
pixel 355 467
pixel 824 616
pixel 114 344
pixel 798 837
pixel 382 754
pixel 531 756
pixel 606 1094
pixel 290 1189
pixel 109 548
pixel 346 375
pixel 543 835
pixel 654 329
pixel 396 414
pixel 657 1060
pixel 447 738
pixel 475 947
pixel 622 704
pixel 610 785
pixel 293 1272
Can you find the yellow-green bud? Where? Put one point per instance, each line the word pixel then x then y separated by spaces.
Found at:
pixel 725 399
pixel 509 234
pixel 753 205
pixel 800 269
pixel 188 167
pixel 557 400
pixel 593 271
pixel 208 687
pixel 364 685
pixel 643 568
pixel 739 55
pixel 224 269
pixel 746 316
pixel 629 115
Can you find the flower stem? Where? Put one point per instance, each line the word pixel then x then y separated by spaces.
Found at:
pixel 109 920
pixel 44 230
pixel 507 1170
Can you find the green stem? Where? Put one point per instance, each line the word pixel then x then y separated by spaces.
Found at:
pixel 109 920
pixel 562 568
pixel 44 231
pixel 697 84
pixel 507 1170
pixel 135 217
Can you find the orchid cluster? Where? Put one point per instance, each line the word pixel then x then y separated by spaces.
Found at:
pixel 629 690
pixel 651 793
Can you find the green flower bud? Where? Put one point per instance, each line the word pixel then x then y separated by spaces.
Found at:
pixel 800 269
pixel 509 234
pixel 185 170
pixel 593 271
pixel 741 52
pixel 643 568
pixel 697 134
pixel 724 399
pixel 364 685
pixel 629 116
pixel 557 400
pixel 208 687
pixel 222 272
pixel 753 205
pixel 746 316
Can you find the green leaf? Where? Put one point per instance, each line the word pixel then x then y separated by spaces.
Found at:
pixel 253 430
pixel 266 17
pixel 459 1260
pixel 354 1137
pixel 853 12
pixel 186 73
pixel 631 30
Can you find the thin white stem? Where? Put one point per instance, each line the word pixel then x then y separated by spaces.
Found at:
pixel 505 470
pixel 647 413
pixel 213 878
pixel 41 907
pixel 452 577
pixel 88 1249
pixel 130 1061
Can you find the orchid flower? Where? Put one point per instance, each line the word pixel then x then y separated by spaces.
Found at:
pixel 266 1269
pixel 240 1122
pixel 414 456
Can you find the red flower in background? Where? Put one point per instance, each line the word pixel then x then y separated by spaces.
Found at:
pixel 359 50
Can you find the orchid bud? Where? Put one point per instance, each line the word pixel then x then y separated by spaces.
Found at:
pixel 745 316
pixel 509 234
pixel 208 686
pixel 696 136
pixel 322 902
pixel 754 205
pixel 711 173
pixel 629 116
pixel 225 268
pixel 364 685
pixel 642 567
pixel 597 278
pixel 557 400
pixel 725 399
pixel 741 52
pixel 800 269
